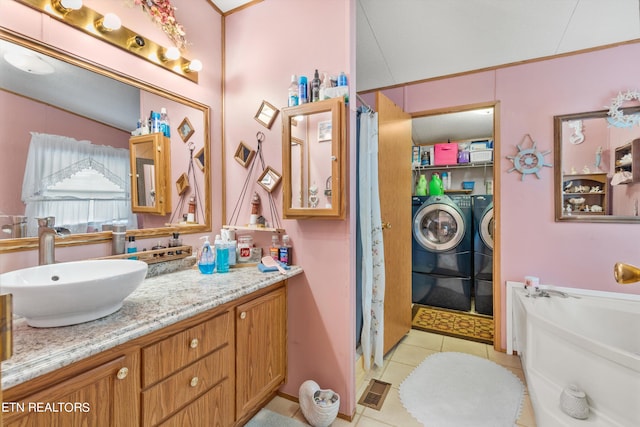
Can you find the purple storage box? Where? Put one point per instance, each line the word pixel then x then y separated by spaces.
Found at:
pixel 464 157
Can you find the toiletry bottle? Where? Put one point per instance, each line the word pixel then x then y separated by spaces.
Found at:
pixel 303 91
pixel 222 255
pixel 191 216
pixel 164 123
pixel 293 91
pixel 324 84
pixel 131 247
pixel 315 87
pixel 284 255
pixel 175 242
pixel 155 122
pixel 274 250
pixel 206 261
pixel 342 79
pixel 118 239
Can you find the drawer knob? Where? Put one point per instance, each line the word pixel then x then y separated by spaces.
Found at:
pixel 122 373
pixel 243 315
pixel 193 343
pixel 193 382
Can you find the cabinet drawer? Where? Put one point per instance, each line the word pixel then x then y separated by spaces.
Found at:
pixel 169 355
pixel 214 408
pixel 161 400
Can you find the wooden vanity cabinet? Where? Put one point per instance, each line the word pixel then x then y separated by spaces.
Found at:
pixel 217 368
pixel 261 340
pixel 89 394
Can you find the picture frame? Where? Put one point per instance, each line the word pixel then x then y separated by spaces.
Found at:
pixel 324 131
pixel 266 114
pixel 182 184
pixel 185 129
pixel 244 154
pixel 269 179
pixel 199 159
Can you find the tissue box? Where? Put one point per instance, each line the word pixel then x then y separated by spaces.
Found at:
pixel 481 156
pixel 445 154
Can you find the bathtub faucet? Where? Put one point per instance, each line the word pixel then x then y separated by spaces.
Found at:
pixel 545 293
pixel 625 273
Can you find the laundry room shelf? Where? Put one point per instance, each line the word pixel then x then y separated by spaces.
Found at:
pixel 250 228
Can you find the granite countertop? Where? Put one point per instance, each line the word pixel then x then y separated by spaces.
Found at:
pixel 158 302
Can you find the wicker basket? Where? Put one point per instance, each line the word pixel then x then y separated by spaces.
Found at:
pixel 320 407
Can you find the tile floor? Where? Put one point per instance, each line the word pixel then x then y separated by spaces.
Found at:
pixel 397 366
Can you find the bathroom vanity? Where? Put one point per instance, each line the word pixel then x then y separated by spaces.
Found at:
pixel 185 349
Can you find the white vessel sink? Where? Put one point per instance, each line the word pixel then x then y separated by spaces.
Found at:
pixel 72 292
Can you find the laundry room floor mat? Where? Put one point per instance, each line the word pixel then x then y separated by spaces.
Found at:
pixel 468 326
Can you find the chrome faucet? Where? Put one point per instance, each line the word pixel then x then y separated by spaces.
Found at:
pixel 46 240
pixel 536 292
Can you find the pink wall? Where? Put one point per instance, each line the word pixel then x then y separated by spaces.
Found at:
pixel 267 43
pixel 577 254
pixel 19 117
pixel 203 26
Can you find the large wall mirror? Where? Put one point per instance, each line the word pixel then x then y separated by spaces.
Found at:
pixel 597 173
pixel 80 106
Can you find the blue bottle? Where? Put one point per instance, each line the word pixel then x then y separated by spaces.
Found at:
pixel 222 256
pixel 303 91
pixel 206 263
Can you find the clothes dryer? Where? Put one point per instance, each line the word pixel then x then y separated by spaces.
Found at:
pixel 442 251
pixel 483 253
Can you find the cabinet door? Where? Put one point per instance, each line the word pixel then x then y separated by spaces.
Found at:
pixel 103 396
pixel 261 349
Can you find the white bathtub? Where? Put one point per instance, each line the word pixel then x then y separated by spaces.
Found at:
pixel 592 341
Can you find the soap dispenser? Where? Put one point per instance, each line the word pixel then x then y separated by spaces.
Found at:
pixel 222 255
pixel 206 262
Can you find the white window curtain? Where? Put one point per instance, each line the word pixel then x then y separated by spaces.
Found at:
pixel 372 273
pixel 83 205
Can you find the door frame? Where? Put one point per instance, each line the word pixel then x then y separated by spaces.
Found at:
pixel 497 289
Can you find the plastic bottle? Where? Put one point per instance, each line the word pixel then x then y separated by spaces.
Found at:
pixel 131 247
pixel 315 87
pixel 274 250
pixel 435 185
pixel 222 255
pixel 174 242
pixel 206 262
pixel 342 79
pixel 164 123
pixel 303 91
pixel 191 215
pixel 324 84
pixel 154 122
pixel 293 92
pixel 421 188
pixel 284 255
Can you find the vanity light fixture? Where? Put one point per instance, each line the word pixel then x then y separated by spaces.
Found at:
pixel 109 28
pixel 109 22
pixel 66 6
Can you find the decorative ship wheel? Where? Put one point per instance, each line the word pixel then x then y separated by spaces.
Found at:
pixel 528 161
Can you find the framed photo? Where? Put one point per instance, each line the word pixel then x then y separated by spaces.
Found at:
pixel 244 154
pixel 266 114
pixel 324 131
pixel 185 129
pixel 182 184
pixel 199 159
pixel 269 179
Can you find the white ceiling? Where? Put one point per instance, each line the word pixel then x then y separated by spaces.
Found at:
pixel 409 40
pixel 227 5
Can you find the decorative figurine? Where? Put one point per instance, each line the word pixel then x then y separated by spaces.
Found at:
pixel 598 158
pixel 313 196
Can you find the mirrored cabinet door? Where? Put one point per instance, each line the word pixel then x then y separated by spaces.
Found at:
pixel 313 160
pixel 150 190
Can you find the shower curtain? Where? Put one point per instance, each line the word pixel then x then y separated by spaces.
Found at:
pixel 371 244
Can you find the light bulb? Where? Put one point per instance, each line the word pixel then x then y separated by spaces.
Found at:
pixel 172 53
pixel 108 22
pixel 71 4
pixel 194 66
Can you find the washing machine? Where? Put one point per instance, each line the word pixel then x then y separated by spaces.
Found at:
pixel 483 225
pixel 442 251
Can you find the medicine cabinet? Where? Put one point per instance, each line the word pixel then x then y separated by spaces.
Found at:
pixel 314 160
pixel 150 167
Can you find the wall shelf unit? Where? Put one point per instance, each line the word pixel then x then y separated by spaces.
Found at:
pixel 627 159
pixel 579 194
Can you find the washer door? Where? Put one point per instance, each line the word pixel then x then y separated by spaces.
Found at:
pixel 487 226
pixel 438 227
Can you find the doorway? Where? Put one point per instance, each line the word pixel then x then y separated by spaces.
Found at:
pixel 463 277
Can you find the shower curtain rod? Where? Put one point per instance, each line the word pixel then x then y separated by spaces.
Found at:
pixel 363 102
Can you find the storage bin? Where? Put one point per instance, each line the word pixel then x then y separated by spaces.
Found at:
pixel 481 156
pixel 446 154
pixel 468 185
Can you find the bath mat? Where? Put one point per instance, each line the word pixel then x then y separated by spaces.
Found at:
pixel 267 418
pixel 452 389
pixel 457 324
